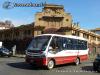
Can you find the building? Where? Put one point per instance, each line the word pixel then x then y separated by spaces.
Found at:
pixel 6 25
pixel 97 31
pixel 19 36
pixel 52 19
pixel 53 16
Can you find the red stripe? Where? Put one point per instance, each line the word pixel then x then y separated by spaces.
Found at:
pixel 68 59
pixel 83 57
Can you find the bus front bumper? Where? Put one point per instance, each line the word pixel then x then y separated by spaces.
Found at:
pixel 37 61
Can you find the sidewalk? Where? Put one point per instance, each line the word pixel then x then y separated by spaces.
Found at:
pixel 19 56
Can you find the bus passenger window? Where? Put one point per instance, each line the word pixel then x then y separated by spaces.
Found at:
pixel 64 45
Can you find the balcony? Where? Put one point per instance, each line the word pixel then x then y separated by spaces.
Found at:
pixel 53 15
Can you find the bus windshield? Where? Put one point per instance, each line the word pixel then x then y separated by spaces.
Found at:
pixel 39 43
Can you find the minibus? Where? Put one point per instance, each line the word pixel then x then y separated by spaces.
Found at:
pixel 55 49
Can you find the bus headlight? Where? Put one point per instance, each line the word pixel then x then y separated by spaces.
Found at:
pixel 26 52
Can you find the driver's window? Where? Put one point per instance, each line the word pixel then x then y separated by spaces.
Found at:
pixel 56 44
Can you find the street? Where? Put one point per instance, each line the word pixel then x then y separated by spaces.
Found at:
pixel 17 66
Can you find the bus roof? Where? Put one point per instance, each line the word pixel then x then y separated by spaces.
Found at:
pixel 67 36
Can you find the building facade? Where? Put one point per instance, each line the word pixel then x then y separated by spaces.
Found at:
pixel 97 31
pixel 52 19
pixel 6 25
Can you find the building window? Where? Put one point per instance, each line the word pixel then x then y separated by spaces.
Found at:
pixel 94 38
pixel 76 33
pixel 86 36
pixel 98 39
pixel 27 32
pixel 17 34
pixel 38 32
pixel 67 19
pixel 7 35
pixel 40 19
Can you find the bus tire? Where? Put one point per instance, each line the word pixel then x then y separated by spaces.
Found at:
pixel 50 64
pixel 77 61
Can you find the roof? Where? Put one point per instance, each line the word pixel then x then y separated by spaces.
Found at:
pixel 97 29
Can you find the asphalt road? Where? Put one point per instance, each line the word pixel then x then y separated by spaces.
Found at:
pixel 17 66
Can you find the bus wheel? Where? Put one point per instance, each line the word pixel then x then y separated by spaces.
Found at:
pixel 50 64
pixel 77 61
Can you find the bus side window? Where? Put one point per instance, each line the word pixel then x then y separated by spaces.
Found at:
pixel 82 45
pixel 65 46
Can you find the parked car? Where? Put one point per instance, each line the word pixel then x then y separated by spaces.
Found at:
pixel 96 63
pixel 5 52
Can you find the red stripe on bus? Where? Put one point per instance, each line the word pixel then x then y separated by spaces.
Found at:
pixel 68 59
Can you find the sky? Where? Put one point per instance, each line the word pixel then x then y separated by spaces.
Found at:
pixel 86 12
